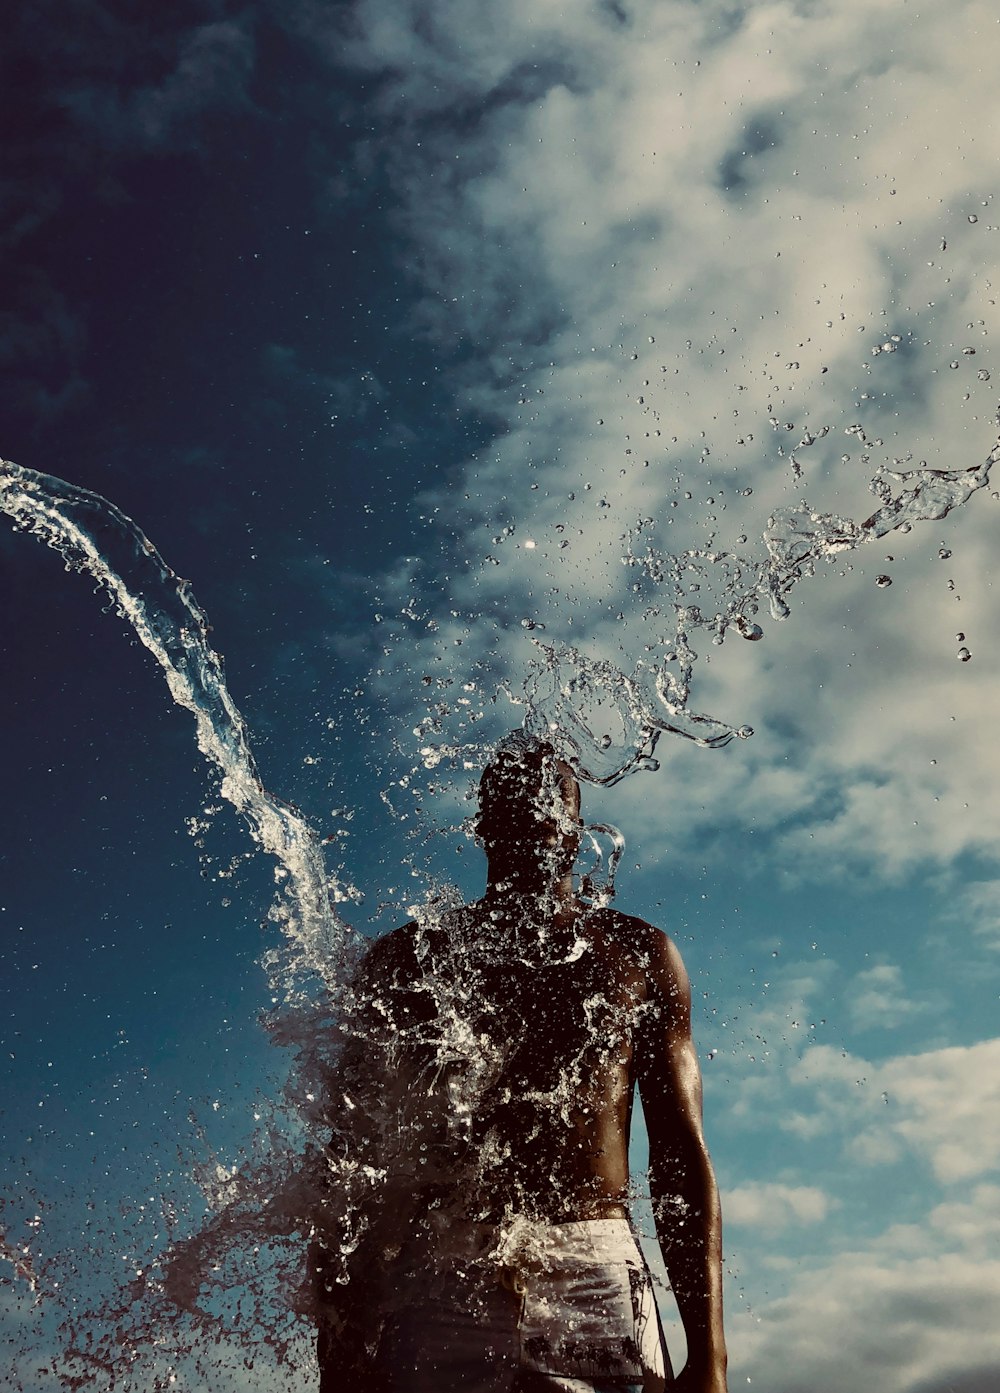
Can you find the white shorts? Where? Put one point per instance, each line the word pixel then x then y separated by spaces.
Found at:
pixel 547 1307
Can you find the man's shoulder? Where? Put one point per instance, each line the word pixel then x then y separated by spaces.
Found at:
pixel 651 947
pixel 396 944
pixel 637 933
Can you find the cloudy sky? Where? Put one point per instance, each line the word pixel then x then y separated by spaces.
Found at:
pixel 397 326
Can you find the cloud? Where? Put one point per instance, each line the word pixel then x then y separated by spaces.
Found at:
pixel 944 1105
pixel 950 1101
pixel 355 393
pixel 42 344
pixel 772 1206
pixel 80 90
pixel 878 1321
pixel 906 1312
pixel 979 906
pixel 659 236
pixel 877 999
pixel 207 72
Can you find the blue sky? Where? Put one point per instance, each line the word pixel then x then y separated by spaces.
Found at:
pixel 346 306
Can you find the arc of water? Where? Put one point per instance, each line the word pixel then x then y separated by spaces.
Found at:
pixel 94 536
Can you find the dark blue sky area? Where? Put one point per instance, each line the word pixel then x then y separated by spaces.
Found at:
pixel 211 321
pixel 208 317
pixel 206 321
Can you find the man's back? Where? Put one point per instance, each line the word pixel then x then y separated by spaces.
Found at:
pixel 514 1051
pixel 481 1112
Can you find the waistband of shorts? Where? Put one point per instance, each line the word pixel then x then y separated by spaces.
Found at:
pixel 530 1241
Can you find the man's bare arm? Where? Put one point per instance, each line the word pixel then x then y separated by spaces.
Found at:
pixel 346 1289
pixel 682 1182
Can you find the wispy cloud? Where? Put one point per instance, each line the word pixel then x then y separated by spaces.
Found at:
pixel 942 1105
pixel 84 92
pixel 916 1299
pixel 770 1205
pixel 673 243
pixel 877 999
pixel 204 70
pixel 877 1319
pixel 978 906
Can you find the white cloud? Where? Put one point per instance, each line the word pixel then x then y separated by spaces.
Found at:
pixel 910 1311
pixel 772 1206
pixel 864 1320
pixel 877 998
pixel 658 235
pixel 978 904
pixel 943 1105
pixel 950 1105
pixel 658 242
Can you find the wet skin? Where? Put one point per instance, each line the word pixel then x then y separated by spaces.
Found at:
pixel 550 1133
pixel 563 1008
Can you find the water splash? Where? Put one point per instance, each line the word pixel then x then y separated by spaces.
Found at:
pixel 160 1317
pixel 94 536
pixel 608 723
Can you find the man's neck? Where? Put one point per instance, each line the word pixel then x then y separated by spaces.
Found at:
pixel 512 886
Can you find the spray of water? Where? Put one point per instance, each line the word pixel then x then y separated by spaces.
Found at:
pixel 94 536
pixel 261 1204
pixel 605 721
pixel 608 723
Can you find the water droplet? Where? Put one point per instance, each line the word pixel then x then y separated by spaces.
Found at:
pixel 953 363
pixel 964 655
pixel 983 375
pixel 883 581
pixel 943 553
pixel 973 218
pixel 959 638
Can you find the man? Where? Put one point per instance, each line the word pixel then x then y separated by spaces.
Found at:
pixel 485 1100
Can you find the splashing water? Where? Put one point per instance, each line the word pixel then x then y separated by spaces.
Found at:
pixel 608 723
pixel 267 1199
pixel 92 535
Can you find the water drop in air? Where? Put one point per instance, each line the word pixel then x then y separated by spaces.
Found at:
pixel 883 581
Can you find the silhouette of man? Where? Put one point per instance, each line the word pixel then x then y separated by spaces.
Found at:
pixel 482 1112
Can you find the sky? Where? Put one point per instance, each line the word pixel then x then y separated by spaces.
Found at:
pixel 391 324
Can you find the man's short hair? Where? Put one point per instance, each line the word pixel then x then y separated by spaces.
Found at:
pixel 525 767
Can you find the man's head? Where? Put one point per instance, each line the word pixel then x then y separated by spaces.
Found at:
pixel 529 805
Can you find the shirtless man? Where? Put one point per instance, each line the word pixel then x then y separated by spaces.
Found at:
pixel 488 1088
